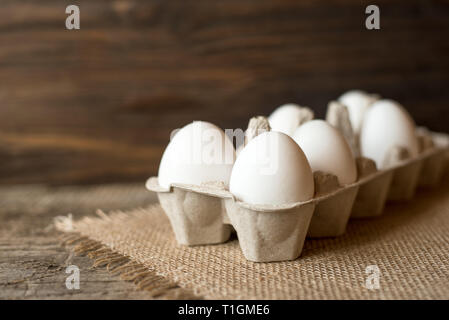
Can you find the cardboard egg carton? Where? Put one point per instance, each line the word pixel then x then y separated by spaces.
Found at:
pixel 207 214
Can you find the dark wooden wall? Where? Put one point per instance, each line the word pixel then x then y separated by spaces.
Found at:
pixel 97 105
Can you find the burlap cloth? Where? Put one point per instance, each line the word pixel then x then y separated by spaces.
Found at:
pixel 408 243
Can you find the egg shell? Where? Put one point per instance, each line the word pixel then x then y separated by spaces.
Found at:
pixel 200 152
pixel 285 119
pixel 273 170
pixel 387 125
pixel 327 150
pixel 357 103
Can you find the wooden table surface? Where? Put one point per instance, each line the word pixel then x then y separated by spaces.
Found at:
pixel 32 261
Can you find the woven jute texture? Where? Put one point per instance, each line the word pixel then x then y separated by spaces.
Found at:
pixel 409 244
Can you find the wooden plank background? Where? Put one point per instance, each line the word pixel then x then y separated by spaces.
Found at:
pixel 97 105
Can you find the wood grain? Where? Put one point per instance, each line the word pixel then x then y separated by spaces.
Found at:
pixel 98 104
pixel 32 260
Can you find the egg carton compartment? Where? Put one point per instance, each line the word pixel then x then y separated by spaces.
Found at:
pixel 431 170
pixel 332 213
pixel 404 181
pixel 399 182
pixel 196 218
pixel 372 195
pixel 424 170
pixel 206 214
pixel 268 234
pixel 434 164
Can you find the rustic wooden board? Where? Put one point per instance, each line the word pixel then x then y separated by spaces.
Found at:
pixel 98 104
pixel 32 261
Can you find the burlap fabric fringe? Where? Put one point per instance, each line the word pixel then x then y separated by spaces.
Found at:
pixel 144 277
pixel 409 244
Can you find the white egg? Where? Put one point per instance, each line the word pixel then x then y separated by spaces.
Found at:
pixel 386 125
pixel 285 119
pixel 200 152
pixel 327 150
pixel 272 170
pixel 357 102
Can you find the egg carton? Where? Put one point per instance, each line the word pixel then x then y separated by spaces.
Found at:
pixel 207 214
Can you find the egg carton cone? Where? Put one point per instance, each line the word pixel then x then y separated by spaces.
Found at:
pixel 333 206
pixel 207 214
